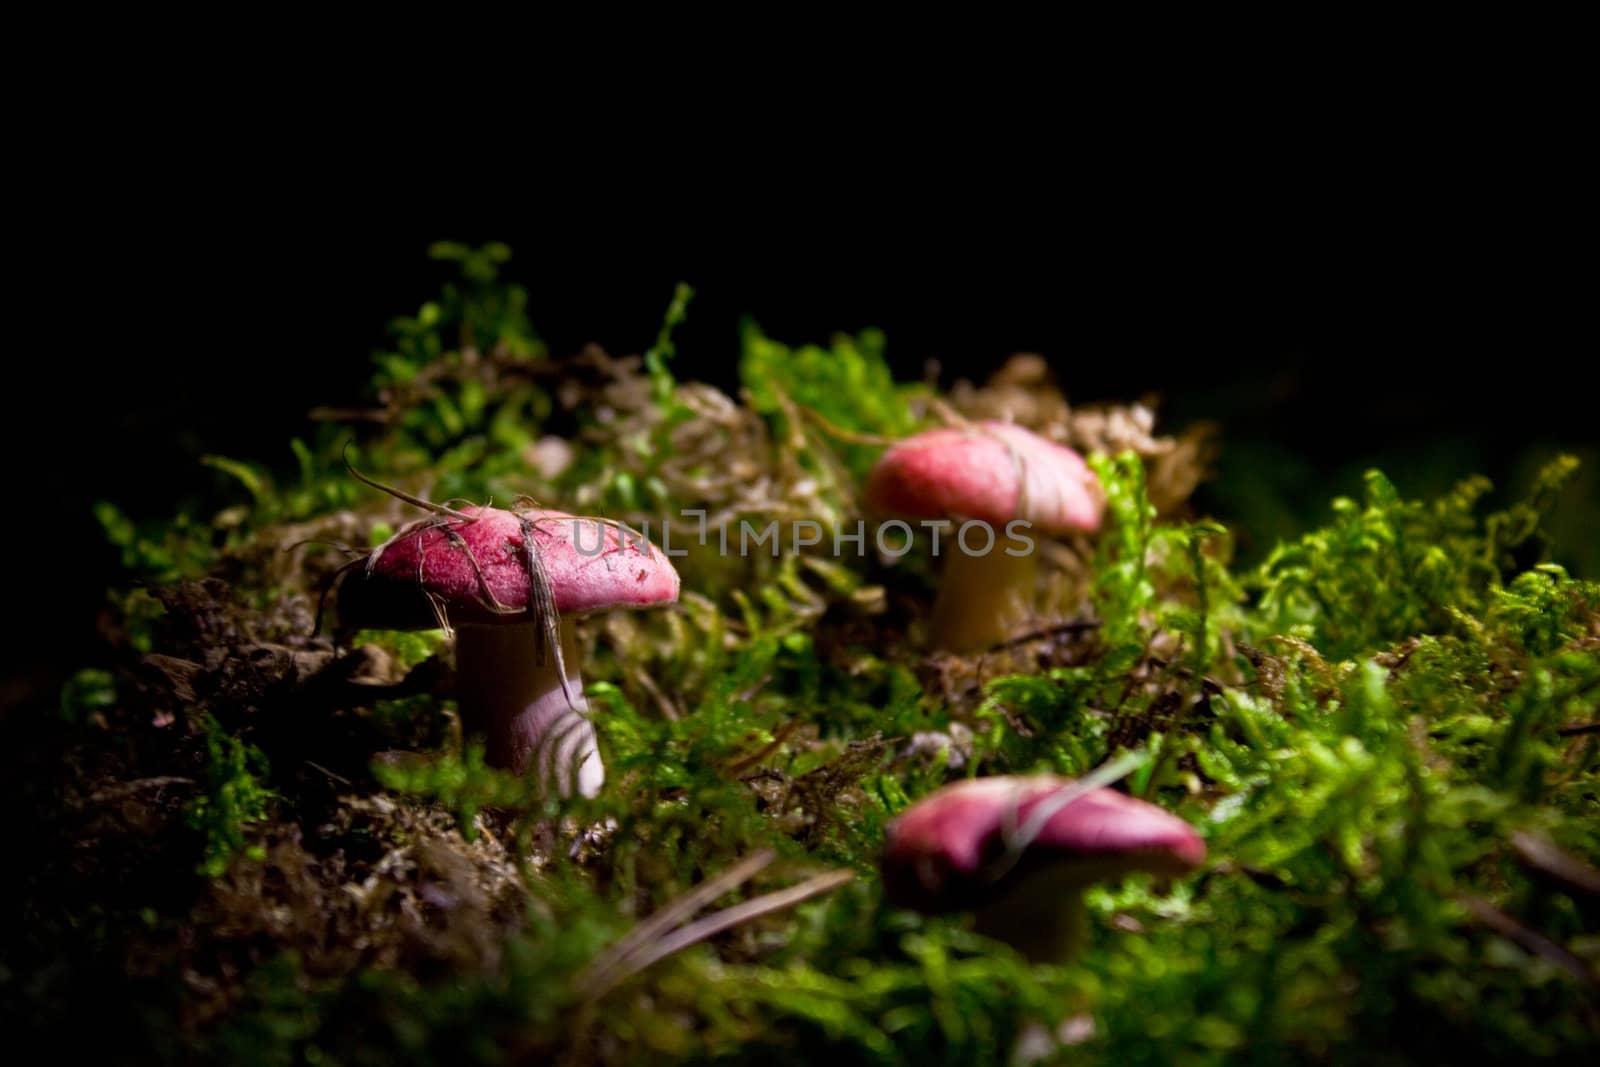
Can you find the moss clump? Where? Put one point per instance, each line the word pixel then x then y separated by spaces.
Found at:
pixel 1370 728
pixel 232 798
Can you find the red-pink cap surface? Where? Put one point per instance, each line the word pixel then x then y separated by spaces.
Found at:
pixel 592 566
pixel 944 852
pixel 992 471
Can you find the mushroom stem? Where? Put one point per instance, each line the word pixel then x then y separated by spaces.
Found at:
pixel 1043 917
pixel 510 688
pixel 982 599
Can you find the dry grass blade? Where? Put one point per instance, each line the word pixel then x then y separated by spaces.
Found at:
pixel 947 414
pixel 675 912
pixel 717 922
pixel 853 437
pixel 1541 854
pixel 1017 839
pixel 542 604
pixel 1529 939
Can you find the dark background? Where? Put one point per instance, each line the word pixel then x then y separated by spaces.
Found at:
pixel 1406 328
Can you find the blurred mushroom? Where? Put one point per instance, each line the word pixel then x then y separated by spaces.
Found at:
pixel 1017 852
pixel 992 474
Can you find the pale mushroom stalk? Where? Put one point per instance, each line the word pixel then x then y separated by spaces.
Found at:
pixel 510 688
pixel 1043 917
pixel 983 599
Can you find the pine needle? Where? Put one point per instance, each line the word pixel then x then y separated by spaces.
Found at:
pixel 717 922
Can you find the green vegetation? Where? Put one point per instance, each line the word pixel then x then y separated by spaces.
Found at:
pixel 232 799
pixel 1385 731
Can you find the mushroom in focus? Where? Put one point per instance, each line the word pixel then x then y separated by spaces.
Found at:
pixel 993 473
pixel 1018 852
pixel 510 584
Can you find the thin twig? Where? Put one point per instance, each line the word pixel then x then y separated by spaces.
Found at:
pixel 400 494
pixel 648 684
pixel 327 414
pixel 335 777
pixel 1077 627
pixel 327 588
pixel 739 764
pixel 490 601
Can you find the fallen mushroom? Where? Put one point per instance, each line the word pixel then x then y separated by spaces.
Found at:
pixel 510 584
pixel 1018 852
pixel 995 474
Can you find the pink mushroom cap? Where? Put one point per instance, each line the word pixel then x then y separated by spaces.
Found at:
pixel 994 472
pixel 592 566
pixel 944 852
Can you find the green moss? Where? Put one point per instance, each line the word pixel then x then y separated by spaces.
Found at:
pixel 1358 726
pixel 231 799
pixel 89 691
pixel 847 384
